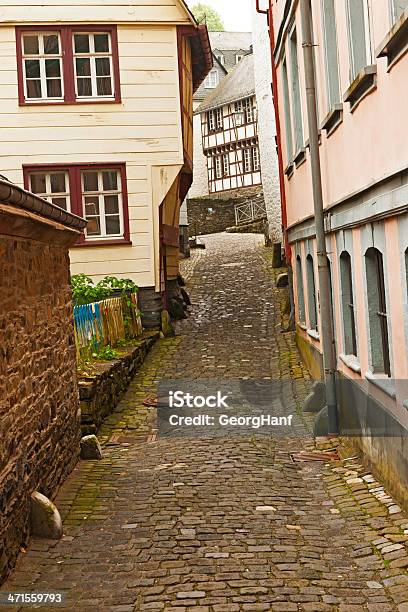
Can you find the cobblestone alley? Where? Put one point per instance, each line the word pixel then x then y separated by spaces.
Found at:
pixel 181 524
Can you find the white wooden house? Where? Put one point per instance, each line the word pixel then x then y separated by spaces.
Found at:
pixel 96 116
pixel 229 128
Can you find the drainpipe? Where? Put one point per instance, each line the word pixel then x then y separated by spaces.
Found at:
pixel 275 96
pixel 326 306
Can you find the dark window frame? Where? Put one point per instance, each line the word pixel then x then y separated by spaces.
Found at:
pixel 377 311
pixel 76 195
pixel 66 33
pixel 348 305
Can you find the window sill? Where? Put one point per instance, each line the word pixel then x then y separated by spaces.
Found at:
pixel 307 143
pixel 108 242
pixel 302 326
pixel 289 170
pixel 352 362
pixel 333 119
pixel 313 333
pixel 395 44
pixel 387 385
pixel 300 157
pixel 69 102
pixel 364 83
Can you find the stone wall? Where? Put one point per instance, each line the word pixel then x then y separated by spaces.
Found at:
pixel 216 213
pixel 101 393
pixel 39 417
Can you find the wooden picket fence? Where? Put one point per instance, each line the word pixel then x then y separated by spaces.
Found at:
pixel 106 323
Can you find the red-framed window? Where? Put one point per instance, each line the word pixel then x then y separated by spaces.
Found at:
pixel 67 64
pixel 97 192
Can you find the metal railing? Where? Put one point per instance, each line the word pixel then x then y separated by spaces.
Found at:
pixel 248 212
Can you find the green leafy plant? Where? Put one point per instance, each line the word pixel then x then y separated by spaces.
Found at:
pixel 106 353
pixel 84 291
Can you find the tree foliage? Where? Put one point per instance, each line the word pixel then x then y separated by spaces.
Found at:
pixel 206 14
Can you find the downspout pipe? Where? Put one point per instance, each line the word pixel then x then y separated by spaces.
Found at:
pixel 326 306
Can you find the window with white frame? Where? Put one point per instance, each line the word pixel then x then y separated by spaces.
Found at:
pixel 212 80
pixel 218 166
pixel 226 164
pixel 250 156
pixel 249 110
pixel 247 159
pixel 42 66
pixel 256 164
pixel 397 8
pixel 219 118
pixel 52 186
pixel 93 64
pixel 238 58
pixel 359 36
pixel 296 98
pixel 210 121
pixel 102 203
pixel 220 58
pixel 331 53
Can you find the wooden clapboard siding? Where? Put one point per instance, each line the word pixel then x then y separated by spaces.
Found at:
pixel 143 131
pixel 94 11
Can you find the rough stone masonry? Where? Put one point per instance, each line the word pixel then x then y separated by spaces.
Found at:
pixel 39 415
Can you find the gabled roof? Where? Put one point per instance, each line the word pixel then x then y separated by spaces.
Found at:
pixel 238 84
pixel 231 41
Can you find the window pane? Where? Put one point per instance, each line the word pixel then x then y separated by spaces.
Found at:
pixel 102 66
pixel 51 44
pixel 94 226
pixel 92 206
pixel 101 43
pixel 112 225
pixel 31 46
pixel 81 43
pixel 54 88
pixel 61 202
pixel 33 89
pixel 84 87
pixel 83 66
pixel 110 180
pixel 38 183
pixel 104 86
pixel 91 181
pixel 111 205
pixel 52 68
pixel 32 68
pixel 58 182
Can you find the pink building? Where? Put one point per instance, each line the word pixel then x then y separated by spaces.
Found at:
pixel 361 71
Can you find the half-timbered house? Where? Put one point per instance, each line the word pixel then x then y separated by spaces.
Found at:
pixel 229 129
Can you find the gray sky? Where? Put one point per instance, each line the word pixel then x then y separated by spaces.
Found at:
pixel 236 14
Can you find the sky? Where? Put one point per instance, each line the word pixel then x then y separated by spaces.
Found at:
pixel 235 14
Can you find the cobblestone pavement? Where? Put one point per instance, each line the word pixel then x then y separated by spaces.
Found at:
pixel 227 524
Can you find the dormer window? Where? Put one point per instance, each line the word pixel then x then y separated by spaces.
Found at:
pixel 67 64
pixel 212 80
